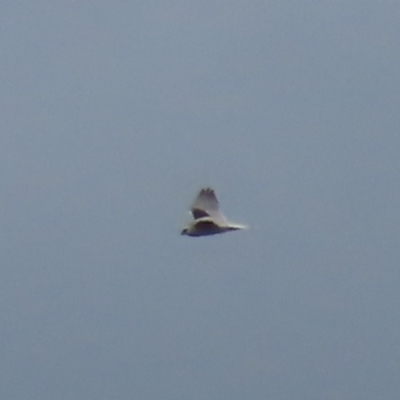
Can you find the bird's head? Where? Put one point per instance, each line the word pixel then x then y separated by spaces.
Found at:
pixel 184 231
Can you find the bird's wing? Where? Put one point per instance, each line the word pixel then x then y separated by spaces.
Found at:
pixel 206 205
pixel 206 225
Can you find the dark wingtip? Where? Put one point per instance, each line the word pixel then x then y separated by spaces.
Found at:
pixel 206 189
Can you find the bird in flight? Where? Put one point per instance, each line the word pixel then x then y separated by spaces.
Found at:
pixel 208 219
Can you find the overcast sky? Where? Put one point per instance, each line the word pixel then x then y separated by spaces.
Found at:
pixel 114 114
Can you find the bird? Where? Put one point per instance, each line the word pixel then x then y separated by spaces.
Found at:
pixel 207 218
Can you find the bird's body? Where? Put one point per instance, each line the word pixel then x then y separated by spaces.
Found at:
pixel 208 219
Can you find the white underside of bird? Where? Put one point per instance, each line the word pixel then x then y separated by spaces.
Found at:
pixel 208 219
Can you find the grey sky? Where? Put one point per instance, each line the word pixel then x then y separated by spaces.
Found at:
pixel 114 114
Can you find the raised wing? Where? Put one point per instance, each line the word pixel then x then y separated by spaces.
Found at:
pixel 206 205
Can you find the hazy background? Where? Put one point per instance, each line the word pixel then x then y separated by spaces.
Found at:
pixel 114 114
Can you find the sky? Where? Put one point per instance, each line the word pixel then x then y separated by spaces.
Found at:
pixel 114 114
